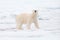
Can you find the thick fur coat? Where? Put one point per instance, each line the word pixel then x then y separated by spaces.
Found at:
pixel 28 19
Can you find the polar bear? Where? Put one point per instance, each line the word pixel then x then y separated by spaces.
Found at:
pixel 28 19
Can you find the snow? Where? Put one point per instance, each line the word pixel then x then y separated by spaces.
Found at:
pixel 49 30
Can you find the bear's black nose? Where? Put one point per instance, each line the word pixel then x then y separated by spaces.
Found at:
pixel 35 11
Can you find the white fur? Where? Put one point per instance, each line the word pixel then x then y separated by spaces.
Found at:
pixel 28 19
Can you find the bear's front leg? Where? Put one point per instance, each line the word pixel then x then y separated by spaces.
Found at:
pixel 36 23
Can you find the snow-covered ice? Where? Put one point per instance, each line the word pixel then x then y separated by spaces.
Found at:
pixel 49 30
